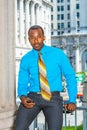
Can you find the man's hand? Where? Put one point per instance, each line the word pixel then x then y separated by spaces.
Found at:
pixel 70 107
pixel 27 102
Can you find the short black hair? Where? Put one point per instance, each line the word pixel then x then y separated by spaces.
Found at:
pixel 36 27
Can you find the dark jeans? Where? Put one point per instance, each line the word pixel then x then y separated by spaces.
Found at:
pixel 52 110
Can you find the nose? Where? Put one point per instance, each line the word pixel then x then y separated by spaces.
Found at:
pixel 36 40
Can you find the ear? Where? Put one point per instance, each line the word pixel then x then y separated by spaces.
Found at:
pixel 44 38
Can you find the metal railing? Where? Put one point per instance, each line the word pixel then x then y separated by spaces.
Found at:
pixel 83 108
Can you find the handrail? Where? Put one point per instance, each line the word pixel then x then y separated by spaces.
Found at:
pixel 84 108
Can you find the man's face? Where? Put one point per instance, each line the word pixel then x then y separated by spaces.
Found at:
pixel 36 38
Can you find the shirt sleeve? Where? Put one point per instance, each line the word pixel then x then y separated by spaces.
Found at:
pixel 70 76
pixel 23 79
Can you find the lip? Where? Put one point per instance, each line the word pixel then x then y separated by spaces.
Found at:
pixel 36 46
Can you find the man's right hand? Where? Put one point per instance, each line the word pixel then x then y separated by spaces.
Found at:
pixel 27 102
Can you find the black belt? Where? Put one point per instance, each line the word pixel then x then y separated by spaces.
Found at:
pixel 56 92
pixel 53 93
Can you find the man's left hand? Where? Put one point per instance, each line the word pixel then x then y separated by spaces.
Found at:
pixel 70 106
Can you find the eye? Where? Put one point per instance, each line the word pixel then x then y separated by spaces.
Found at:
pixel 31 38
pixel 39 36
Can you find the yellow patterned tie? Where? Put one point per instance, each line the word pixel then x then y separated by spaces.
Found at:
pixel 45 88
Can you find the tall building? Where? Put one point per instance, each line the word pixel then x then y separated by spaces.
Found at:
pixel 68 17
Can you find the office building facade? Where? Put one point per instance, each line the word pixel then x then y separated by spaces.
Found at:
pixel 68 17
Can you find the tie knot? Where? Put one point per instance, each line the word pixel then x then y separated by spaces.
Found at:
pixel 40 54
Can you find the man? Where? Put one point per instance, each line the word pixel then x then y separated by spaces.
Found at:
pixel 29 84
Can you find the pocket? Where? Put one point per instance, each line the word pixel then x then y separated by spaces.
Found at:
pixel 57 100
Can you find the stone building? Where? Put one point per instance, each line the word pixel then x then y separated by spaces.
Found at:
pixel 68 16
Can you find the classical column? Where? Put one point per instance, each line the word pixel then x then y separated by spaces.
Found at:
pixel 16 25
pixel 21 23
pixel 7 64
pixel 32 13
pixel 37 14
pixel 78 61
pixel 27 18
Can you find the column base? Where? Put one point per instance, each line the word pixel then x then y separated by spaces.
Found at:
pixel 7 120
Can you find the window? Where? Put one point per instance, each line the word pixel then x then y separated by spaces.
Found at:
pixel 51 33
pixel 51 25
pixel 51 17
pixel 52 1
pixel 58 1
pixel 51 9
pixel 69 31
pixel 68 24
pixel 62 16
pixel 58 8
pixel 62 1
pixel 78 15
pixel 58 25
pixel 62 25
pixel 77 6
pixel 68 0
pixel 78 24
pixel 68 7
pixel 68 16
pixel 58 17
pixel 58 33
pixel 62 8
pixel 62 32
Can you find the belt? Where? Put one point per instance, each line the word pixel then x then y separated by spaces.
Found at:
pixel 53 93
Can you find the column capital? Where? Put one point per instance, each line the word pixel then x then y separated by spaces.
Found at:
pixel 32 2
pixel 27 1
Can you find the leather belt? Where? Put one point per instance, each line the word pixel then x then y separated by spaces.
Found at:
pixel 53 93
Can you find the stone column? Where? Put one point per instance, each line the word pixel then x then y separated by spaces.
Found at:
pixel 7 64
pixel 21 23
pixel 26 20
pixel 38 14
pixel 32 13
pixel 78 61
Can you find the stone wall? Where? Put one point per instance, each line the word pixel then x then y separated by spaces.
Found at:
pixel 7 64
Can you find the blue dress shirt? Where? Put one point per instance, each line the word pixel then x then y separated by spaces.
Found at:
pixel 57 64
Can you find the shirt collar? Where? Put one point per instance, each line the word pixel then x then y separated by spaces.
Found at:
pixel 43 50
